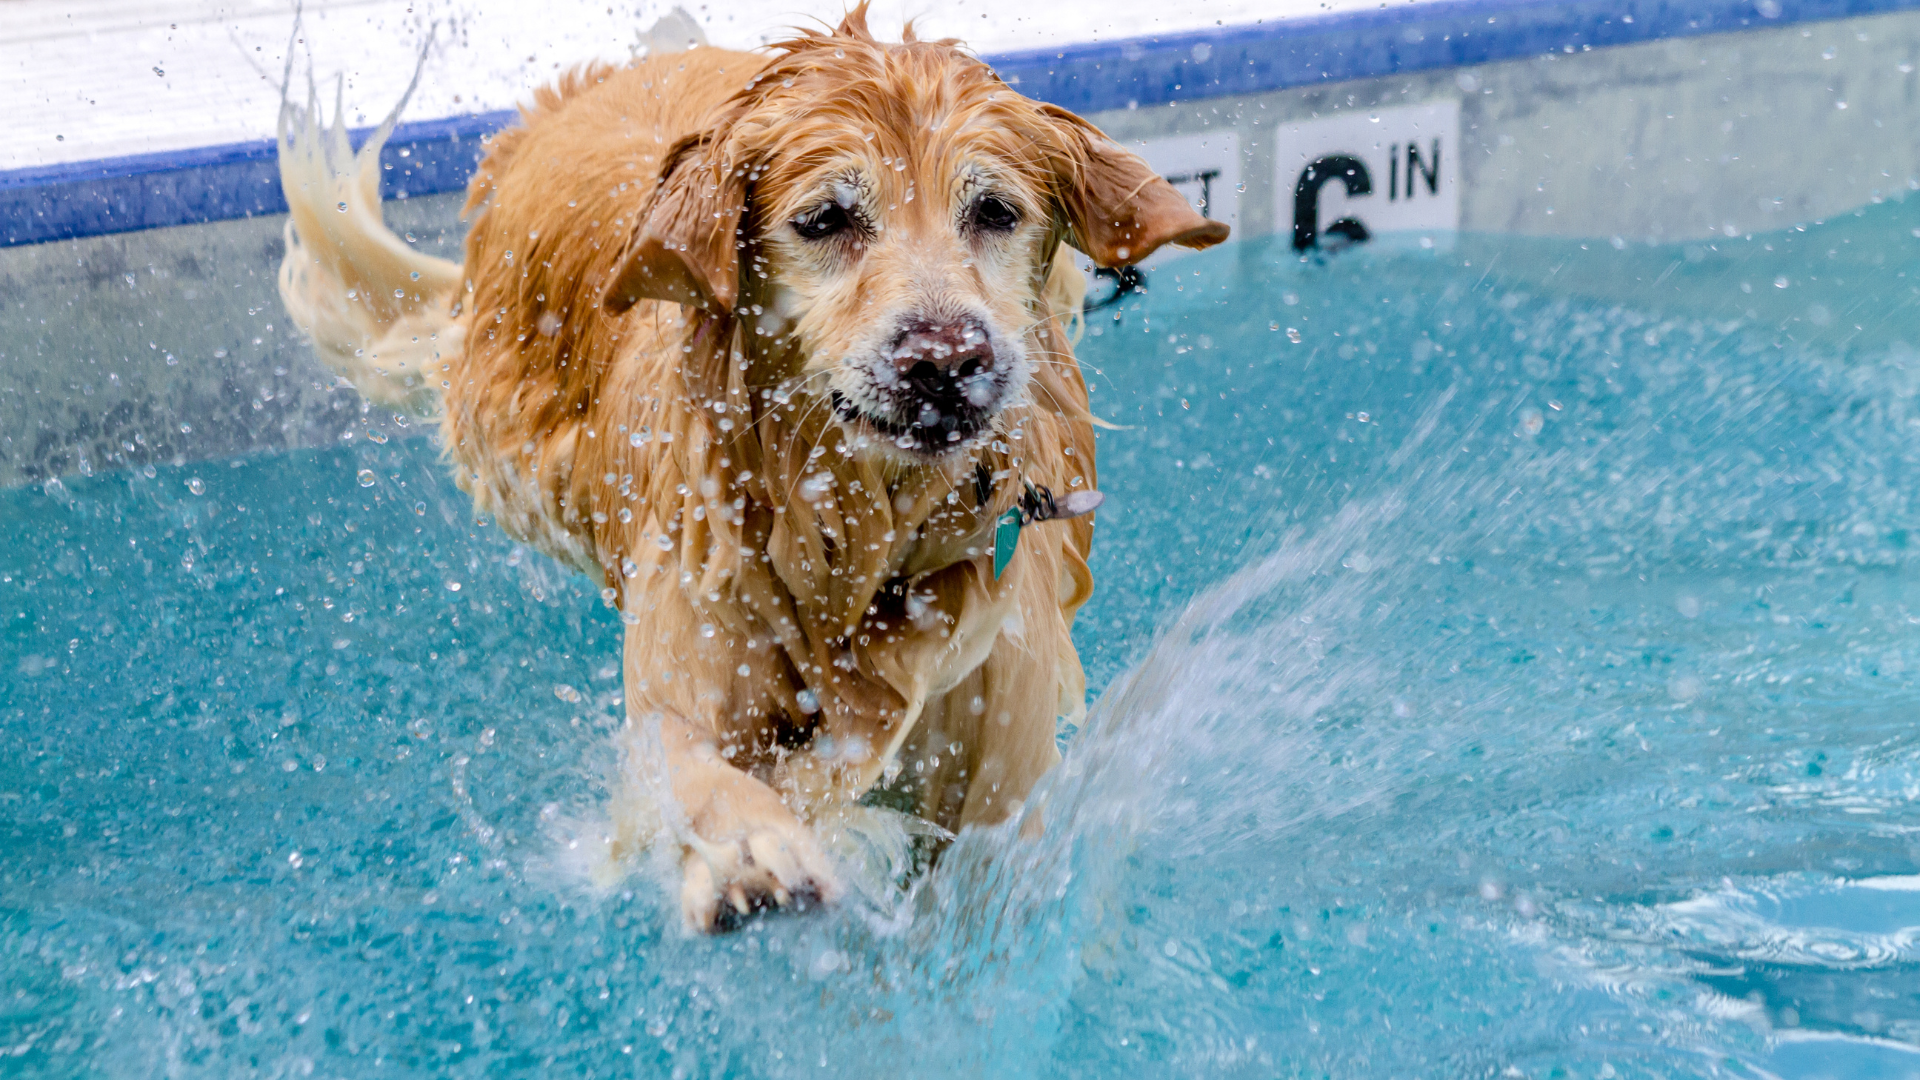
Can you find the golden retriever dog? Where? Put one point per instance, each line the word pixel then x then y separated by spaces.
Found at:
pixel 777 346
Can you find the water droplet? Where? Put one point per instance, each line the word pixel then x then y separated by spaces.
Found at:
pixel 707 630
pixel 641 437
pixel 663 542
pixel 566 693
pixel 808 701
pixel 366 477
pixel 196 486
pixel 342 208
pixel 453 586
pixel 1293 335
pixel 420 508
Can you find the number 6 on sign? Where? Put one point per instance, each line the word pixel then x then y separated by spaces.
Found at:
pixel 1368 174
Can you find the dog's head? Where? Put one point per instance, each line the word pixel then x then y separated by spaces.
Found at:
pixel 882 219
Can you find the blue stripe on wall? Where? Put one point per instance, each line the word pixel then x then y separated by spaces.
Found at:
pixel 186 187
pixel 217 183
pixel 1358 45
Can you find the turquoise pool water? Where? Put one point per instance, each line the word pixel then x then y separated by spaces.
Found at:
pixel 1513 675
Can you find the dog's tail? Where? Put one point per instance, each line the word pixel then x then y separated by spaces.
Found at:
pixel 380 314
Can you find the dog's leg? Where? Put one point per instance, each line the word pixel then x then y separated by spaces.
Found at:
pixel 1013 742
pixel 700 705
pixel 743 850
pixel 1015 700
pixel 982 745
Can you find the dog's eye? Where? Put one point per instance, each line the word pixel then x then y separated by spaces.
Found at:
pixel 995 214
pixel 822 222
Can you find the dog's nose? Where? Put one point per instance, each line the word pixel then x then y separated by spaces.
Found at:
pixel 936 354
pixel 945 366
pixel 943 376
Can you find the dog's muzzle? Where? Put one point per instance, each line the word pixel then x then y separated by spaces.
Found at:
pixel 939 381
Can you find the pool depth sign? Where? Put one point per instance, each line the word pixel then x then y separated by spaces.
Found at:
pixel 1368 173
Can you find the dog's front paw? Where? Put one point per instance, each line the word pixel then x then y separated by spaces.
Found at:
pixel 760 859
pixel 727 884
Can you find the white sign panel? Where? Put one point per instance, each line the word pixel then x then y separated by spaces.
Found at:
pixel 1348 178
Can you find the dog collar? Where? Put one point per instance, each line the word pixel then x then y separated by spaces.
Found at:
pixel 1036 504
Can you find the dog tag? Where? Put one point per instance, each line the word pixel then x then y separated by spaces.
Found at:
pixel 1036 504
pixel 1006 536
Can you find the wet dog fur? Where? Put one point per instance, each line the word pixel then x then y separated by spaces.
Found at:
pixel 767 342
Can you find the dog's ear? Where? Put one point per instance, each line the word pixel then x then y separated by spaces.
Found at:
pixel 1118 210
pixel 687 250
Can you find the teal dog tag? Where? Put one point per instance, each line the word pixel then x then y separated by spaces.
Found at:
pixel 1006 537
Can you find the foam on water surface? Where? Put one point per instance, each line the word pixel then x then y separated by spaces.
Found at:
pixel 1514 675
